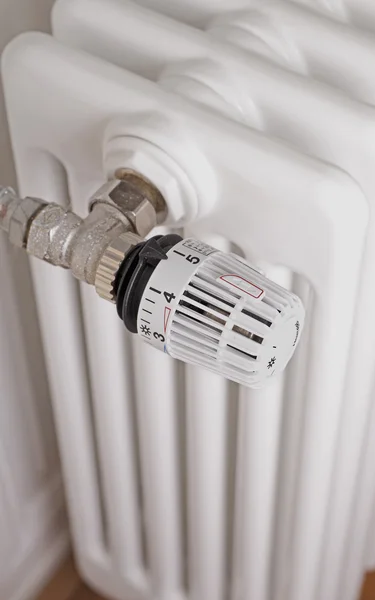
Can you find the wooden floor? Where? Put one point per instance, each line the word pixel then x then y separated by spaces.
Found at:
pixel 66 585
pixel 368 592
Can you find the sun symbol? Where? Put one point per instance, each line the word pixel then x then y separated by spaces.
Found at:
pixel 146 330
pixel 271 363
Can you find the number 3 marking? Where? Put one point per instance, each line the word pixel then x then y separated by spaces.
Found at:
pixel 159 336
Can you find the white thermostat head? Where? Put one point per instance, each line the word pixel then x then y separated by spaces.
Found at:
pixel 186 298
pixel 212 309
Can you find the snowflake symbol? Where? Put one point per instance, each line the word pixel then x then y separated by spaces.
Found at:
pixel 271 363
pixel 146 330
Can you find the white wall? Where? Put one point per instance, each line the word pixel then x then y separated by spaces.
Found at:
pixel 33 534
pixel 17 16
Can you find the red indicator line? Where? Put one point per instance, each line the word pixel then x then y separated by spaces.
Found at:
pixel 167 314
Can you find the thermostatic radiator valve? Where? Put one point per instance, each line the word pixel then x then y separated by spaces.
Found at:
pixel 186 298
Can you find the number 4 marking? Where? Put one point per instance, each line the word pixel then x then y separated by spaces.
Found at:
pixel 169 296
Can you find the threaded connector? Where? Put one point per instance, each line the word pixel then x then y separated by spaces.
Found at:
pixel 121 213
pixel 16 215
pixel 110 262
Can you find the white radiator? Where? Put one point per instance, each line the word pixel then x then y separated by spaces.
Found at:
pixel 179 484
pixel 33 528
pixel 33 532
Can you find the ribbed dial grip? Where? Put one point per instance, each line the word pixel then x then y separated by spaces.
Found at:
pixel 213 309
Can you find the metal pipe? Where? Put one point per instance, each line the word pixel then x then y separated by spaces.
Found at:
pixel 121 213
